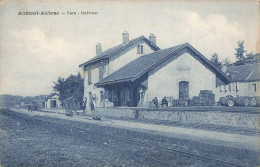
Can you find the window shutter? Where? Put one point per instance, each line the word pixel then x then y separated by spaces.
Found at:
pixel 89 77
pixel 101 70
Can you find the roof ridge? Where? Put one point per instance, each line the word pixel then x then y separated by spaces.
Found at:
pixel 120 46
pixel 178 47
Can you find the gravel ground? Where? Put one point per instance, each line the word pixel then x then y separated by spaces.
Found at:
pixel 29 143
pixel 25 143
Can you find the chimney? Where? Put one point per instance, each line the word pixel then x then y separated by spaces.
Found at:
pixel 125 37
pixel 152 38
pixel 224 68
pixel 98 49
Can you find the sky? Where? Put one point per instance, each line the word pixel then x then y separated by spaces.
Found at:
pixel 36 50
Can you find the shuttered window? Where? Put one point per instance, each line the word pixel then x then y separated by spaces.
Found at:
pixel 142 49
pixel 89 77
pixel 101 72
pixel 236 87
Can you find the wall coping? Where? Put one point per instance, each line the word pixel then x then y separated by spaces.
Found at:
pixel 247 110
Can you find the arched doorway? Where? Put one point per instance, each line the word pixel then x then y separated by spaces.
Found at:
pixel 183 90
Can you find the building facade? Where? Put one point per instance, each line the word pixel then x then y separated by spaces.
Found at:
pixel 179 72
pixel 245 81
pixel 107 62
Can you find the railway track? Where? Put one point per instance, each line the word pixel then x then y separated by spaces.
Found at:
pixel 101 138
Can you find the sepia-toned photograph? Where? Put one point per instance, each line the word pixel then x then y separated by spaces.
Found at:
pixel 129 83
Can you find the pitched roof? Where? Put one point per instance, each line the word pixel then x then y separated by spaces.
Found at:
pixel 110 52
pixel 244 73
pixel 143 64
pixel 51 95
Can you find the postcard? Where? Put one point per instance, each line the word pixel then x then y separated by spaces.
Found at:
pixel 129 83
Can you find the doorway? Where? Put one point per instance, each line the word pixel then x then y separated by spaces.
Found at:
pixel 53 104
pixel 183 90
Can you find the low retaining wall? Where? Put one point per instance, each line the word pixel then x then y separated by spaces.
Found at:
pixel 230 118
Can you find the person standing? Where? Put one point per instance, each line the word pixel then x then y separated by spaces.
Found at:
pixel 155 101
pixel 164 102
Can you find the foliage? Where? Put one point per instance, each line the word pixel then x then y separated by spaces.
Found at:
pixel 243 57
pixel 13 100
pixel 240 51
pixel 226 61
pixel 249 55
pixel 73 86
pixel 215 60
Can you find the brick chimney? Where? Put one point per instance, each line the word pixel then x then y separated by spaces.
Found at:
pixel 152 38
pixel 125 37
pixel 98 49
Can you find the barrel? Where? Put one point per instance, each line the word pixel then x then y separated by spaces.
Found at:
pixel 242 101
pixel 226 101
pixel 254 101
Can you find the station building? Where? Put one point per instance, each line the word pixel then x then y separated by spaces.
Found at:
pixel 136 71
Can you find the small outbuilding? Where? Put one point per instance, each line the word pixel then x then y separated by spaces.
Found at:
pixel 52 101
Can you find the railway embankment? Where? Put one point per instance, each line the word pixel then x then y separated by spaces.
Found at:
pixel 233 148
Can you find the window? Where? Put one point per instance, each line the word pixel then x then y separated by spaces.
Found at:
pixel 140 49
pixel 254 87
pixel 225 88
pixel 220 88
pixel 101 72
pixel 126 94
pixel 109 95
pixel 229 87
pixel 236 87
pixel 233 86
pixel 89 77
pixel 101 96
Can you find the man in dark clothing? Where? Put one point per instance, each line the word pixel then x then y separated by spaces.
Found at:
pixel 92 106
pixel 164 102
pixel 155 101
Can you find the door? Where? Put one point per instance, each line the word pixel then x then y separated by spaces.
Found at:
pixel 183 90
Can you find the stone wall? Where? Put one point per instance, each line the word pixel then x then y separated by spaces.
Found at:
pixel 249 120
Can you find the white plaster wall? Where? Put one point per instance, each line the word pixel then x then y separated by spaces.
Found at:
pixel 91 88
pixel 113 65
pixel 244 89
pixel 128 57
pixel 165 82
pixel 48 102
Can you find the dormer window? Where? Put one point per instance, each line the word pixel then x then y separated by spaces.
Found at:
pixel 140 49
pixel 228 74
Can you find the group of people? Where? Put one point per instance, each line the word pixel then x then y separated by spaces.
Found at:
pixel 164 102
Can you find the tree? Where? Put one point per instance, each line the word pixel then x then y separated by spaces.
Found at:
pixel 214 59
pixel 73 86
pixel 226 61
pixel 240 51
pixel 249 55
